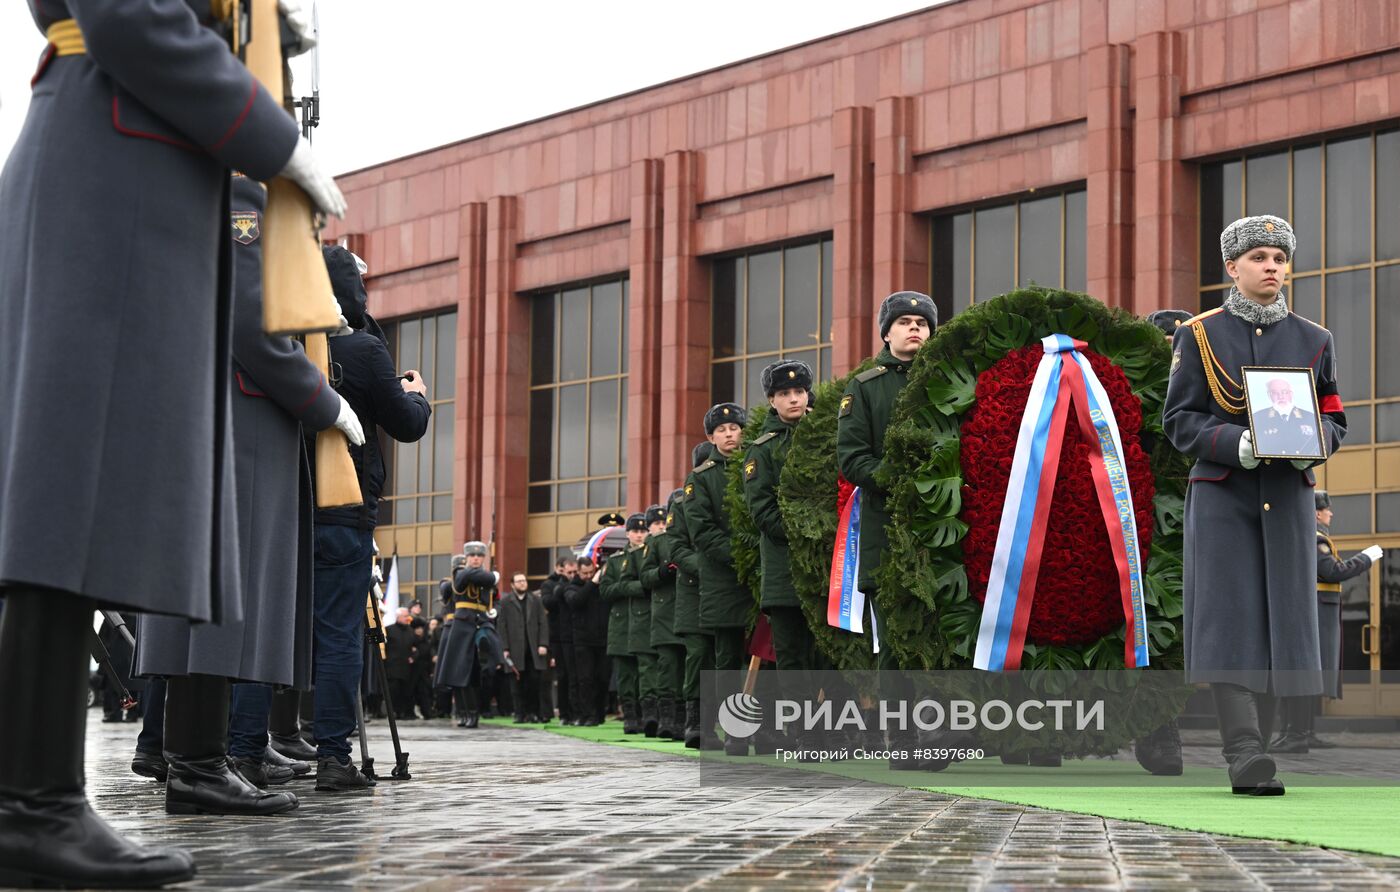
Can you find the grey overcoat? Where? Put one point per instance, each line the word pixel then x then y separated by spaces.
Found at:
pixel 276 391
pixel 116 477
pixel 1250 555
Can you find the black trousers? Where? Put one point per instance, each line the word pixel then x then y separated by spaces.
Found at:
pixel 401 696
pixel 592 671
pixel 563 653
pixel 525 691
pixel 421 692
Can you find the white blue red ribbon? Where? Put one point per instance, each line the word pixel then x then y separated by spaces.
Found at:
pixel 1064 379
pixel 845 602
pixel 595 544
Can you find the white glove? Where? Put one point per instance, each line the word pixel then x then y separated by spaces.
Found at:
pixel 300 23
pixel 304 170
pixel 1248 459
pixel 1301 464
pixel 350 424
pixel 1374 553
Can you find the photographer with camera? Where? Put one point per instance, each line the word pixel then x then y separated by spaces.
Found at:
pixel 363 373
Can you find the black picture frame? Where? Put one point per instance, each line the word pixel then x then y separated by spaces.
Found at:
pixel 1296 435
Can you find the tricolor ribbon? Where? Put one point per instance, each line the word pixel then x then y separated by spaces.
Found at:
pixel 845 602
pixel 1063 378
pixel 595 544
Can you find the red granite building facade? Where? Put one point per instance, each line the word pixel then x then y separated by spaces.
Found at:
pixel 600 276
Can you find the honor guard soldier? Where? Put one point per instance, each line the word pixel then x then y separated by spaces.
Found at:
pixel 639 629
pixel 1250 555
pixel 115 156
pixel 471 653
pixel 218 764
pixel 660 569
pixel 907 320
pixel 1297 735
pixel 725 604
pixel 786 384
pixel 699 644
pixel 620 586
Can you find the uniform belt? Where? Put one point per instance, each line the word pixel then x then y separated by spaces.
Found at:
pixel 67 40
pixel 471 605
pixel 1329 586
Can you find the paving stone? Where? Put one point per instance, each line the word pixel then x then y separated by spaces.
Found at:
pixel 515 809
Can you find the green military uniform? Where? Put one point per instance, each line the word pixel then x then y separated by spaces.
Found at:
pixel 699 644
pixel 793 643
pixel 660 572
pixel 861 421
pixel 639 644
pixel 620 584
pixel 724 602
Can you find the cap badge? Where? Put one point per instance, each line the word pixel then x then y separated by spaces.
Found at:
pixel 1268 227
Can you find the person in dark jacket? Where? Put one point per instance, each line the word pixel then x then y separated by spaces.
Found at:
pixel 115 156
pixel 659 573
pixel 620 585
pixel 399 647
pixel 589 691
pixel 1297 735
pixel 524 630
pixel 561 637
pixel 364 375
pixel 420 681
pixel 699 644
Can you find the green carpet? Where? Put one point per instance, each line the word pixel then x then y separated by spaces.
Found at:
pixel 1316 811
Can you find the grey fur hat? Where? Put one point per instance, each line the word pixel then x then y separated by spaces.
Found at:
pixel 474 547
pixel 724 413
pixel 907 303
pixel 1321 499
pixel 785 373
pixel 1248 233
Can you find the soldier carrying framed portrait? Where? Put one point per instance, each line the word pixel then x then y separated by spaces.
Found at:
pixel 1283 412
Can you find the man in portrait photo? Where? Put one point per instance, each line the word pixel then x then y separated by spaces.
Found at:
pixel 1283 428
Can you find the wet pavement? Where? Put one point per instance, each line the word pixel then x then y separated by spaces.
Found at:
pixel 502 808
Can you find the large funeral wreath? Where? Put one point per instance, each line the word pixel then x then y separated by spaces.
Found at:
pixel 948 453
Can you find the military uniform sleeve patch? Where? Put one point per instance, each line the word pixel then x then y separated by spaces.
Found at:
pixel 245 227
pixel 689 488
pixel 750 469
pixel 1176 361
pixel 846 402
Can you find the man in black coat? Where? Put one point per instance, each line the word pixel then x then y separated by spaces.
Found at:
pixel 561 636
pixel 524 631
pixel 400 645
pixel 589 688
pixel 363 373
pixel 420 681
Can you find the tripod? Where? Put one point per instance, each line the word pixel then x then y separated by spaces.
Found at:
pixel 374 635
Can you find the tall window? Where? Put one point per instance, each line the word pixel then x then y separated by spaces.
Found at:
pixel 578 415
pixel 1343 198
pixel 415 510
pixel 987 251
pixel 767 305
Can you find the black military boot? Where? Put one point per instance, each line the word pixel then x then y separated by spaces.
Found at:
pixel 1160 751
pixel 261 774
pixel 150 765
pixel 1297 716
pixel 691 732
pixel 471 715
pixel 201 780
pixel 651 721
pixel 293 747
pixel 298 767
pixel 1251 769
pixel 49 834
pixel 631 717
pixel 665 715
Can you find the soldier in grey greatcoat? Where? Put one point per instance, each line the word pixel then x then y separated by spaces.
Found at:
pixel 116 471
pixel 470 653
pixel 1250 559
pixel 1296 735
pixel 276 390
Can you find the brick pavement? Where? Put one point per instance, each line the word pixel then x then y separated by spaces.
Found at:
pixel 505 809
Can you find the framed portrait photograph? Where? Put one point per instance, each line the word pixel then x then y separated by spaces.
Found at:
pixel 1283 413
